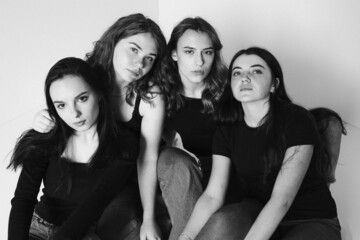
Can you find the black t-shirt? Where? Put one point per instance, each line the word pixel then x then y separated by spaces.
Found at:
pixel 195 128
pixel 245 146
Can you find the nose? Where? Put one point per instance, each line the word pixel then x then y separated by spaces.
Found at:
pixel 74 111
pixel 139 63
pixel 245 77
pixel 199 59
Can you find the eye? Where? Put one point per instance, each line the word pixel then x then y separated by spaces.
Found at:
pixel 150 59
pixel 209 52
pixel 236 73
pixel 83 98
pixel 189 51
pixel 60 106
pixel 256 71
pixel 135 50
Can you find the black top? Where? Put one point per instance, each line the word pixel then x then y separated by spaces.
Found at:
pixel 63 203
pixel 245 146
pixel 195 128
pixel 134 124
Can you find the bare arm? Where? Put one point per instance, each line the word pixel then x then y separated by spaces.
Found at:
pixel 213 197
pixel 151 129
pixel 288 181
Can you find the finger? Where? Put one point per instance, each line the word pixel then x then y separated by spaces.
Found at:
pixel 45 113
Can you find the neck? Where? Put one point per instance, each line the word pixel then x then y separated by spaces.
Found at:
pixel 89 135
pixel 119 88
pixel 193 90
pixel 254 112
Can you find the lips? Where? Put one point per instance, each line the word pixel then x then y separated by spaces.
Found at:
pixel 245 89
pixel 80 123
pixel 198 72
pixel 135 73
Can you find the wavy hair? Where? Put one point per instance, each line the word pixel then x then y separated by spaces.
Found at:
pixel 101 58
pixel 216 78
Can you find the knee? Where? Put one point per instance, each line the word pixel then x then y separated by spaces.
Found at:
pixel 230 222
pixel 173 162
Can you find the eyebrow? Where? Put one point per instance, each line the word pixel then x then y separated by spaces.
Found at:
pixel 77 96
pixel 137 45
pixel 208 48
pixel 255 65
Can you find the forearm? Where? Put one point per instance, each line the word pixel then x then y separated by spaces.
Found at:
pixel 268 219
pixel 204 208
pixel 147 185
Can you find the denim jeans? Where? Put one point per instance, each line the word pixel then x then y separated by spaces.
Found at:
pixel 235 220
pixel 41 229
pixel 121 219
pixel 315 229
pixel 180 181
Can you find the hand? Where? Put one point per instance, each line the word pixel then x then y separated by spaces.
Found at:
pixel 149 231
pixel 91 235
pixel 42 122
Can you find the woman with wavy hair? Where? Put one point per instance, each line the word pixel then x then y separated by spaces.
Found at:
pixel 128 57
pixel 194 68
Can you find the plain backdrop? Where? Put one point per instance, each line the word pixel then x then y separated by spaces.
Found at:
pixel 316 42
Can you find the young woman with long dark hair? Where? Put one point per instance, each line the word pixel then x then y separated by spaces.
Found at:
pixel 275 149
pixel 84 146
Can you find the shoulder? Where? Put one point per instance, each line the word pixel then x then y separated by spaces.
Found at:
pixel 154 101
pixel 294 112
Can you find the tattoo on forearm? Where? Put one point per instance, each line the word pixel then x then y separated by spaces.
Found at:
pixel 292 156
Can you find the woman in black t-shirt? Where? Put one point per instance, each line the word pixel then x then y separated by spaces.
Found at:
pixel 193 66
pixel 273 146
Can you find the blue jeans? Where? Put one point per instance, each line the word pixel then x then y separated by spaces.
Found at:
pixel 41 229
pixel 121 219
pixel 180 181
pixel 314 229
pixel 235 220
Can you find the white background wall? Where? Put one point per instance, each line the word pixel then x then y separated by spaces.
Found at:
pixel 316 42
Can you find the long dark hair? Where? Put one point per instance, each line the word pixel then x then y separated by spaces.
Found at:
pixel 230 110
pixel 215 80
pixel 53 143
pixel 101 58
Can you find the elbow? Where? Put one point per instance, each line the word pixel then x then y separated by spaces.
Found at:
pixel 282 203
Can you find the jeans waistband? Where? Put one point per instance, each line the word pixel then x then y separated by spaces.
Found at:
pixel 41 220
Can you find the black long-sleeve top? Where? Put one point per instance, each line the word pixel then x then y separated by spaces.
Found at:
pixel 73 206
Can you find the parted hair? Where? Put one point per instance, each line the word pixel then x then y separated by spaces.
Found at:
pixel 216 78
pixel 101 58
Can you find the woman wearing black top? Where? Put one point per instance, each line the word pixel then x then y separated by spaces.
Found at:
pixel 194 68
pixel 274 147
pixel 85 149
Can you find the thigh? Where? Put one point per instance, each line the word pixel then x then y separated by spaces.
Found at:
pixel 231 221
pixel 122 216
pixel 316 229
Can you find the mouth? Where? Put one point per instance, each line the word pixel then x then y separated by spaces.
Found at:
pixel 199 72
pixel 135 73
pixel 245 89
pixel 80 123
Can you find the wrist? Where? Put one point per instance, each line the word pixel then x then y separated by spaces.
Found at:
pixel 184 237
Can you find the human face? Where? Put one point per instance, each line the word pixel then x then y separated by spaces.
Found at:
pixel 134 57
pixel 251 79
pixel 194 54
pixel 75 102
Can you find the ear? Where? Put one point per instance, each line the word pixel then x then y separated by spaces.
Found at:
pixel 174 55
pixel 275 85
